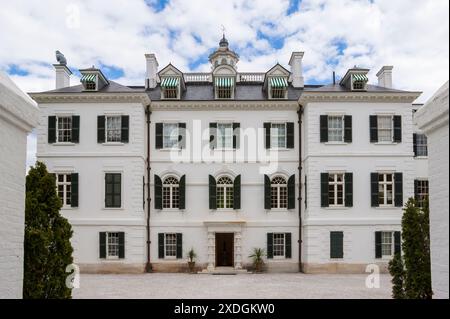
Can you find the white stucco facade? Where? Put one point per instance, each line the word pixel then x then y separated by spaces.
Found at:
pixel 433 119
pixel 288 221
pixel 18 115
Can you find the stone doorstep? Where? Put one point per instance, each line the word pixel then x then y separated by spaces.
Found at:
pixel 224 271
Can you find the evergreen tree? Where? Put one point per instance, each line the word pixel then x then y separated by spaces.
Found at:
pixel 47 247
pixel 412 272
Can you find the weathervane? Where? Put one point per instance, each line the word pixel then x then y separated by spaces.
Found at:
pixel 223 29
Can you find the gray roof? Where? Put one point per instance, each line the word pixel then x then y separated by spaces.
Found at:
pixel 341 88
pixel 112 87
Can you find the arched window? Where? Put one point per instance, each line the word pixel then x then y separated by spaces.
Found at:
pixel 279 192
pixel 224 192
pixel 171 193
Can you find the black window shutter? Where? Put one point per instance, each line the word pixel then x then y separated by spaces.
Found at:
pixel 75 129
pixel 348 128
pixel 212 193
pixel 102 246
pixel 158 135
pixel 121 245
pixel 269 245
pixel 267 134
pixel 52 129
pixel 291 192
pixel 398 188
pixel 100 129
pixel 236 135
pixel 161 245
pixel 212 135
pixel 373 122
pixel 348 189
pixel 378 251
pixel 125 129
pixel 74 190
pixel 158 192
pixel 182 199
pixel 374 197
pixel 237 192
pixel 324 200
pixel 336 244
pixel 182 135
pixel 179 245
pixel 397 242
pixel 290 135
pixel 397 128
pixel 323 128
pixel 267 193
pixel 288 245
pixel 415 144
pixel 416 190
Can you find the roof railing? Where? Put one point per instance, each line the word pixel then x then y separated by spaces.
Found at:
pixel 251 77
pixel 207 77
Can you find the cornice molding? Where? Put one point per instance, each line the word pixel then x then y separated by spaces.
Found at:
pixel 91 98
pixel 225 105
pixel 394 97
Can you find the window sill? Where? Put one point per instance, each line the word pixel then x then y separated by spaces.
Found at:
pixel 112 259
pixel 112 208
pixel 280 149
pixel 171 210
pixel 224 149
pixel 420 157
pixel 386 207
pixel 113 144
pixel 279 210
pixel 64 144
pixel 224 210
pixel 386 143
pixel 336 143
pixel 336 208
pixel 174 149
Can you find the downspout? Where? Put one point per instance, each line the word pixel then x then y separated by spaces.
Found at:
pixel 300 241
pixel 148 266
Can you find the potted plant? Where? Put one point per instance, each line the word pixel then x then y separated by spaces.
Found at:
pixel 257 256
pixel 191 260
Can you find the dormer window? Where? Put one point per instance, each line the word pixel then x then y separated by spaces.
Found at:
pixel 359 82
pixel 89 81
pixel 170 87
pixel 224 87
pixel 278 87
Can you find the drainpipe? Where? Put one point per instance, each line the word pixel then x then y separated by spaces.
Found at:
pixel 300 241
pixel 148 266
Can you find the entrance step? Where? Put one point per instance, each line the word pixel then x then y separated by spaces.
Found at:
pixel 224 271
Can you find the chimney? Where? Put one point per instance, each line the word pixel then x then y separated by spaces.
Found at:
pixel 62 76
pixel 151 71
pixel 385 76
pixel 296 69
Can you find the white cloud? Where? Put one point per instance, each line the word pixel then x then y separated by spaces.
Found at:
pixel 411 35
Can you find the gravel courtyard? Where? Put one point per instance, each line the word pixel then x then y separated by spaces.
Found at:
pixel 186 286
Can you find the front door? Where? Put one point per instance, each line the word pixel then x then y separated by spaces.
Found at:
pixel 224 249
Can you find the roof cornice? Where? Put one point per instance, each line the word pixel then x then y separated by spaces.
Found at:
pixel 225 105
pixel 125 97
pixel 391 97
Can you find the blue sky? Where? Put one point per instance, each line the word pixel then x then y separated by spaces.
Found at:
pixel 114 35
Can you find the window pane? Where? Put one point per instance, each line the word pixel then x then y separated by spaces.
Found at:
pixel 335 129
pixel 64 129
pixel 113 128
pixel 422 192
pixel 224 135
pixel 278 245
pixel 113 244
pixel 385 128
pixel 278 135
pixel 171 245
pixel 421 145
pixel 386 243
pixel 170 135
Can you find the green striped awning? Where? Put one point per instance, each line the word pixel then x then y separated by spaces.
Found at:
pixel 90 77
pixel 224 82
pixel 170 82
pixel 278 82
pixel 360 77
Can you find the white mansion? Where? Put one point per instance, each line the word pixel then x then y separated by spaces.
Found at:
pixel 225 162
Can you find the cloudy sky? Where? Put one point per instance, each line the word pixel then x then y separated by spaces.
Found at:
pixel 334 34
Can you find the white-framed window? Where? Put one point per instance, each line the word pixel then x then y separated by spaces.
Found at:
pixel 386 189
pixel 170 92
pixel 64 188
pixel 385 128
pixel 278 135
pixel 422 192
pixel 64 129
pixel 335 128
pixel 336 189
pixel 170 135
pixel 359 85
pixel 113 128
pixel 279 198
pixel 387 243
pixel 224 135
pixel 170 245
pixel 171 192
pixel 112 245
pixel 421 145
pixel 224 194
pixel 279 244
